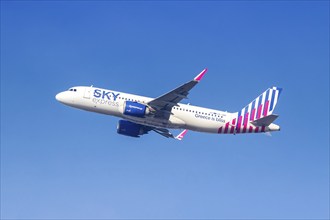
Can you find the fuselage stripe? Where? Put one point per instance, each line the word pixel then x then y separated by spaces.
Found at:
pixel 252 114
pixel 238 127
pixel 266 108
pixel 226 128
pixel 245 121
pixel 272 101
pixel 259 111
pixel 267 96
pixel 233 126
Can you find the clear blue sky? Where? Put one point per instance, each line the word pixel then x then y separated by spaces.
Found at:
pixel 59 162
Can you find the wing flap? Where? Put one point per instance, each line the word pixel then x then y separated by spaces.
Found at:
pixel 166 133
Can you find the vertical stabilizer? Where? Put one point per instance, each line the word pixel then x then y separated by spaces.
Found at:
pixel 260 107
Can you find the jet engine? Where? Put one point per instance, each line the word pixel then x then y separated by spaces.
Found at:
pixel 135 109
pixel 130 129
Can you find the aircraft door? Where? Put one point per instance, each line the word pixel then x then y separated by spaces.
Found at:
pixel 88 92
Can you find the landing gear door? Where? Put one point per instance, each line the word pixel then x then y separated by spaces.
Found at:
pixel 88 92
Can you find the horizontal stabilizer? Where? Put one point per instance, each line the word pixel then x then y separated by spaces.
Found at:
pixel 265 121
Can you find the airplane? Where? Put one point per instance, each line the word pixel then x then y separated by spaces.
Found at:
pixel 141 114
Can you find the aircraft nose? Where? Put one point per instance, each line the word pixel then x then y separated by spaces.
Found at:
pixel 59 97
pixel 63 97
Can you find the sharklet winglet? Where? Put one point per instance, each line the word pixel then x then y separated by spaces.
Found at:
pixel 200 76
pixel 181 135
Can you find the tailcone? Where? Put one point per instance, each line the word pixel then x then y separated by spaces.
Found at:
pixel 274 127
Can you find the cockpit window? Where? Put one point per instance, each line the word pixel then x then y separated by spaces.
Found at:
pixel 73 90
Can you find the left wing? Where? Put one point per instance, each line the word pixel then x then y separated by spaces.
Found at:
pixel 168 134
pixel 181 135
pixel 163 104
pixel 133 129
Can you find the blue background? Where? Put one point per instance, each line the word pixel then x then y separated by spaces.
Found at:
pixel 59 162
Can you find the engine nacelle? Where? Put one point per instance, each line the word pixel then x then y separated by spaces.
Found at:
pixel 135 109
pixel 130 129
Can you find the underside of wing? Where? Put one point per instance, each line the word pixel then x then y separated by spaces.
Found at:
pixel 163 104
pixel 164 132
pixel 132 129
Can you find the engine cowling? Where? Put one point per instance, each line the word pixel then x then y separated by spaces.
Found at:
pixel 130 129
pixel 135 109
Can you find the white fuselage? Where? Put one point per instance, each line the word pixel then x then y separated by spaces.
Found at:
pixel 112 103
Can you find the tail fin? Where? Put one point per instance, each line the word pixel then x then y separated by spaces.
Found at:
pixel 260 107
pixel 264 104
